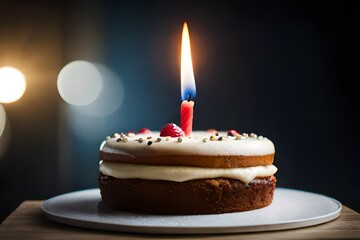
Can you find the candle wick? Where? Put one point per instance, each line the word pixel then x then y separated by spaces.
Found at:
pixel 189 98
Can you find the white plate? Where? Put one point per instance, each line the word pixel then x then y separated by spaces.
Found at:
pixel 289 209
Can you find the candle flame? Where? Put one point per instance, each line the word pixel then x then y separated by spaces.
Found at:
pixel 188 88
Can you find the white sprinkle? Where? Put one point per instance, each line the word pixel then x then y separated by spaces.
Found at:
pixel 260 137
pixel 253 135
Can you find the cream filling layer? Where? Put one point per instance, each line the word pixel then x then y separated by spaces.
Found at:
pixel 181 173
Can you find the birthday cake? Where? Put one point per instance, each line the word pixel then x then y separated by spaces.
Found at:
pixel 209 172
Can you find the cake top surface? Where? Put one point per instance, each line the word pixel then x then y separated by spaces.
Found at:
pixel 203 143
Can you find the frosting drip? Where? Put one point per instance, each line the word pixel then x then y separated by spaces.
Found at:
pixel 181 174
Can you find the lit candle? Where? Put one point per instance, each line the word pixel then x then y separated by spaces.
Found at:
pixel 188 89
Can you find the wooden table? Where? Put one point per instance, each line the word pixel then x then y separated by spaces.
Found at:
pixel 28 222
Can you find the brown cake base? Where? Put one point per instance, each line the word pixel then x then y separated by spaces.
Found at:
pixel 204 196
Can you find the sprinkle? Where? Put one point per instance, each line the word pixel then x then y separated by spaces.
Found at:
pixel 140 140
pixel 149 143
pixel 232 133
pixel 125 140
pixel 242 137
pixel 260 137
pixel 216 134
pixel 167 138
pixel 131 134
pixel 220 138
pixel 238 137
pixel 253 135
pixel 158 139
pixel 211 130
pixel 149 137
pixel 245 134
pixel 204 140
pixel 179 139
pixel 108 137
pixel 115 135
pixel 118 140
pixel 212 138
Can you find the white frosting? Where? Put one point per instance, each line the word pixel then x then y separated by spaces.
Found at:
pixel 181 174
pixel 194 145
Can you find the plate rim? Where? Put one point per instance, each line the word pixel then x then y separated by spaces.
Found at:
pixel 282 225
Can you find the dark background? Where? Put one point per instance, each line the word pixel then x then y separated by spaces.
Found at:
pixel 288 70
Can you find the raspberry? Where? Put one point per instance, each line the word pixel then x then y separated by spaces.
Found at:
pixel 233 133
pixel 171 130
pixel 144 131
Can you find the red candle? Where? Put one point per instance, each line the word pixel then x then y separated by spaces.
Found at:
pixel 187 111
pixel 188 89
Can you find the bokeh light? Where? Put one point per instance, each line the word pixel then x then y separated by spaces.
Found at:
pixel 110 97
pixel 95 115
pixel 79 83
pixel 2 120
pixel 12 84
pixel 4 131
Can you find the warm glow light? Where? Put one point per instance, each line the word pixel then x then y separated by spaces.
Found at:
pixel 5 132
pixel 2 119
pixel 80 83
pixel 12 84
pixel 188 89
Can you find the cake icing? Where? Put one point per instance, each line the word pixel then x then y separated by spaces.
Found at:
pixel 200 143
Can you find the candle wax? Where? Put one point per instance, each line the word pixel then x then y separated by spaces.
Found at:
pixel 187 110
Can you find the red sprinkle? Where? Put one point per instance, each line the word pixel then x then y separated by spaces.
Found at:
pixel 144 131
pixel 211 130
pixel 233 133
